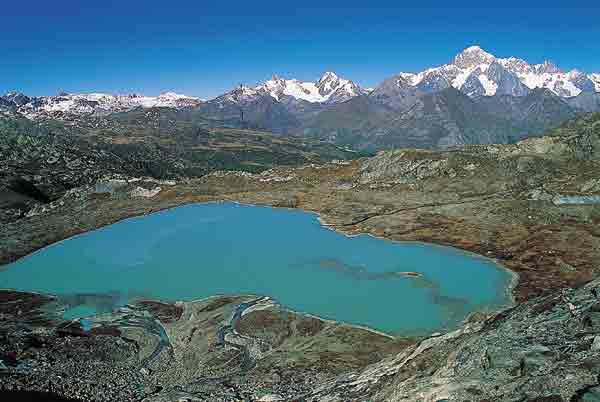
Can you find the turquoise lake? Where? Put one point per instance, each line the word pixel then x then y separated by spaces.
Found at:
pixel 201 250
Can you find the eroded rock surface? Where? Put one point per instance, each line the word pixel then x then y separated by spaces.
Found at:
pixel 217 349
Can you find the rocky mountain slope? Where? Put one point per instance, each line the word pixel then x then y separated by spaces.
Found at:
pixel 42 160
pixel 388 118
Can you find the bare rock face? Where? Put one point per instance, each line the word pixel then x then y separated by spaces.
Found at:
pixel 395 92
pixel 145 193
pixel 507 82
pixel 402 167
pixel 586 101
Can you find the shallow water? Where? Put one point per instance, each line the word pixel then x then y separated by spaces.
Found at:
pixel 201 250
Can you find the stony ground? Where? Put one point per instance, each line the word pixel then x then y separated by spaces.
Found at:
pixel 533 206
pixel 217 349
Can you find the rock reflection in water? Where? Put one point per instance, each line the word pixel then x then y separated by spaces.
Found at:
pixel 454 307
pixel 361 273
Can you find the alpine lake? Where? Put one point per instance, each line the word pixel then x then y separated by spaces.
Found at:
pixel 201 250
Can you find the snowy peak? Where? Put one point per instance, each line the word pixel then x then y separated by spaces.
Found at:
pixel 240 94
pixel 328 77
pixel 516 65
pixel 330 88
pixel 337 89
pixel 473 56
pixel 476 72
pixel 95 103
pixel 16 98
pixel 329 82
pixel 493 79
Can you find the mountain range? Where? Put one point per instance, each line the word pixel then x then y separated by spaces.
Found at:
pixel 479 73
pixel 91 104
pixel 475 98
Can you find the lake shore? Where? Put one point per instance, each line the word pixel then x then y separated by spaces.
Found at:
pixel 517 242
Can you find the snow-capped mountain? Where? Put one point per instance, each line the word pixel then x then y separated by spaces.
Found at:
pixel 93 104
pixel 279 104
pixel 473 71
pixel 328 89
pixel 479 73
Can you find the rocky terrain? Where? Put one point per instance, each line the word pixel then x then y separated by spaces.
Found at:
pixel 397 114
pixel 534 206
pixel 43 160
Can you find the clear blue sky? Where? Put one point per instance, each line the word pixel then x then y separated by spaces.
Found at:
pixel 206 47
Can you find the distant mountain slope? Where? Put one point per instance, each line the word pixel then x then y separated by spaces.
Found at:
pixel 446 118
pixel 280 105
pixel 532 114
pixel 581 135
pixel 588 102
pixel 41 160
pixel 251 108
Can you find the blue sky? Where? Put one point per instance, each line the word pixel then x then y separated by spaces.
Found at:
pixel 206 47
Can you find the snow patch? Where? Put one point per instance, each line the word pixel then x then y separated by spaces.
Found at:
pixel 461 78
pixel 489 85
pixel 559 83
pixel 100 103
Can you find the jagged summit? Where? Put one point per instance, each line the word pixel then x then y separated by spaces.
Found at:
pixel 330 88
pixel 477 72
pixel 328 76
pixel 16 98
pixel 473 56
